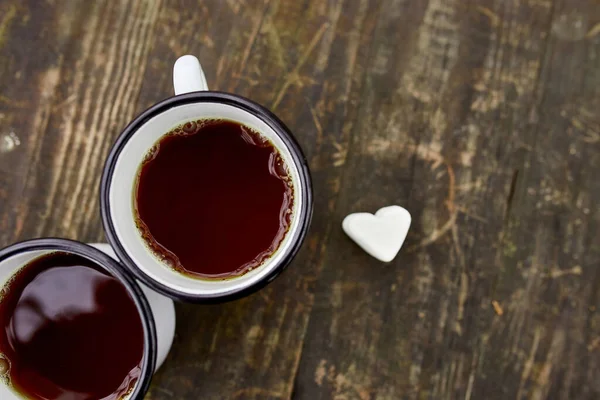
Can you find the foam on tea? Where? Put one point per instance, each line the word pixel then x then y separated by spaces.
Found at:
pixel 69 330
pixel 213 199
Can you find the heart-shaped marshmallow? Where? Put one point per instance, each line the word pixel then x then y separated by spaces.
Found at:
pixel 381 235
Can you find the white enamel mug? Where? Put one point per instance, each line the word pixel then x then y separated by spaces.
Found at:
pixel 193 101
pixel 156 312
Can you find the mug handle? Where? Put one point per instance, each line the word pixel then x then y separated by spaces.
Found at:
pixel 188 75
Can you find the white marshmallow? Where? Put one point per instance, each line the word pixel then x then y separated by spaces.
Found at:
pixel 381 235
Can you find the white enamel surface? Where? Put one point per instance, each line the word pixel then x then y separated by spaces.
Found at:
pixel 188 75
pixel 163 311
pixel 122 187
pixel 381 235
pixel 162 308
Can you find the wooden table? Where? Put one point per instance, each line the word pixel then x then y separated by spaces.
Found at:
pixel 480 117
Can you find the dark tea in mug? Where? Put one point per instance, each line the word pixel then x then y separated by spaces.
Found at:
pixel 69 330
pixel 213 199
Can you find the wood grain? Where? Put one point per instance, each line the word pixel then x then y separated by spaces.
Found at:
pixel 478 116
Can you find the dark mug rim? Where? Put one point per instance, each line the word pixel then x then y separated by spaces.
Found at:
pixel 305 213
pixel 116 270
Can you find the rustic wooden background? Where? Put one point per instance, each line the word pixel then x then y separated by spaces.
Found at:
pixel 480 117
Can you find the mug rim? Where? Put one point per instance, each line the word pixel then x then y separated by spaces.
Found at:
pixel 247 105
pixel 118 271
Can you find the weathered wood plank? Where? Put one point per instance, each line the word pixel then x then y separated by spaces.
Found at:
pixel 462 124
pixel 76 93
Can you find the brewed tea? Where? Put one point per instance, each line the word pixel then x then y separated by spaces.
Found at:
pixel 68 330
pixel 214 199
